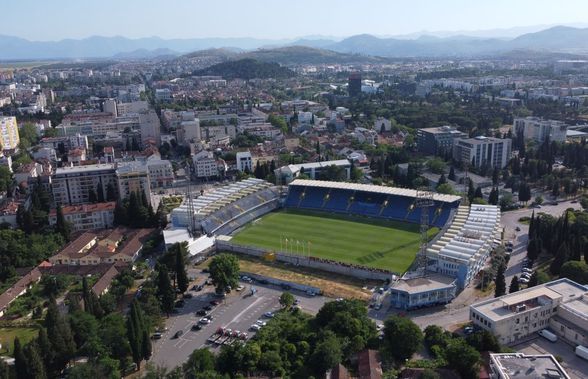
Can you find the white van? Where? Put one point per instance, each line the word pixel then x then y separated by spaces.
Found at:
pixel 548 335
pixel 582 351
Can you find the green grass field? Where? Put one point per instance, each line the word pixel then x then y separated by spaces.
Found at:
pixel 364 241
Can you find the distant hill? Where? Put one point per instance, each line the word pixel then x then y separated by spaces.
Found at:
pixel 222 52
pixel 309 55
pixel 356 48
pixel 146 54
pixel 247 69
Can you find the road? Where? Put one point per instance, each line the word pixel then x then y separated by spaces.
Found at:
pixel 237 312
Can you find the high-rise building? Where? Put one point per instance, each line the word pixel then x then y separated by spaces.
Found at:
pixel 479 151
pixel 74 185
pixel 354 84
pixel 244 161
pixel 437 140
pixel 538 129
pixel 150 127
pixel 9 138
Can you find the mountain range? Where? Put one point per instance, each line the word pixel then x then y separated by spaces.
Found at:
pixel 559 39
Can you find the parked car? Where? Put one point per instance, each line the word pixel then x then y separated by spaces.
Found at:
pixel 178 334
pixel 240 288
pixel 208 308
pixel 255 327
pixel 269 314
pixel 527 270
pixel 523 280
pixel 196 327
pixel 202 312
pixel 187 295
pixel 518 229
pixel 204 321
pixel 261 323
pixel 215 302
pixel 156 336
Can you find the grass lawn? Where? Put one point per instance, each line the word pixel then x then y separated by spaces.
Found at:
pixel 7 338
pixel 369 242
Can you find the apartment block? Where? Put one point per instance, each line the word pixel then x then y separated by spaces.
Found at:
pixel 9 137
pixel 438 140
pixel 72 185
pixel 538 129
pixel 479 151
pixel 87 216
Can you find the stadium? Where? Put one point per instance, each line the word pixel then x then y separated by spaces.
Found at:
pixel 367 231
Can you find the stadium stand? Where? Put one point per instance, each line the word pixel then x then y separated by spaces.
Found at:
pixel 367 200
pixel 227 208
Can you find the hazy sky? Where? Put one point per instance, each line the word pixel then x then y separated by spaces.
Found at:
pixel 273 19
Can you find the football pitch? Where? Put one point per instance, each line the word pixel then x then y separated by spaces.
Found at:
pixel 364 241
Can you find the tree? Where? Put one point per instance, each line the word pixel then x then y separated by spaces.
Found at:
pixel 35 367
pixel 493 197
pixel 286 300
pixel 62 226
pixel 534 249
pixel 446 189
pixel 200 361
pixel 533 281
pixel 20 361
pixel 92 197
pixel 514 285
pixel 224 271
pixel 181 275
pixel 561 257
pixel 576 271
pixel 500 281
pixel 478 194
pixel 442 180
pixel 326 355
pixel 60 336
pixel 403 329
pixel 463 358
pixel 111 194
pixel 136 332
pixel 165 291
pixel 451 174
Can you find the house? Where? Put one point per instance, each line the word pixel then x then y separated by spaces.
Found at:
pixel 18 289
pixel 87 216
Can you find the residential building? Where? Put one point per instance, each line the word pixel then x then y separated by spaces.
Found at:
pixel 161 172
pixel 9 137
pixel 18 289
pixel 31 170
pixel 163 94
pixel 87 216
pixel 312 169
pixel 150 127
pixel 438 140
pixel 479 151
pixel 109 106
pixel 75 157
pixel 108 246
pixel 206 166
pixel 244 161
pixel 538 129
pixel 133 177
pixel 133 107
pixel 190 131
pixel 73 185
pixel 560 305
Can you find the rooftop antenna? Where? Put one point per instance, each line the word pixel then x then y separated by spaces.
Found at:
pixel 424 200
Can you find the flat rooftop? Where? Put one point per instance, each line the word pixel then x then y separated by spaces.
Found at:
pixel 502 307
pixel 521 366
pixel 87 168
pixel 430 282
pixel 371 188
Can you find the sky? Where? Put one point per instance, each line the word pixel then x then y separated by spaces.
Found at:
pixel 275 19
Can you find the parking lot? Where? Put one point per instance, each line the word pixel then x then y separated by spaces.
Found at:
pixel 238 311
pixel 576 367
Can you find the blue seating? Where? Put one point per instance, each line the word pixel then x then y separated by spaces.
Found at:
pixel 372 204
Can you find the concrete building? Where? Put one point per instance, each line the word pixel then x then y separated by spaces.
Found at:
pixel 438 140
pixel 87 216
pixel 244 161
pixel 161 172
pixel 312 169
pixel 109 106
pixel 9 138
pixel 560 305
pixel 354 84
pixel 538 129
pixel 72 185
pixel 206 166
pixel 150 127
pixel 190 131
pixel 133 107
pixel 521 366
pixel 163 94
pixel 479 151
pixel 133 177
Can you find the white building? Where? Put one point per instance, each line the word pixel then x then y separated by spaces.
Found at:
pixel 190 130
pixel 87 216
pixel 560 305
pixel 244 161
pixel 538 129
pixel 312 169
pixel 479 151
pixel 163 94
pixel 133 107
pixel 161 172
pixel 72 185
pixel 150 127
pixel 205 165
pixel 9 137
pixel 133 177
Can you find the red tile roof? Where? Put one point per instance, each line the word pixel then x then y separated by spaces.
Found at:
pixel 19 287
pixel 85 208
